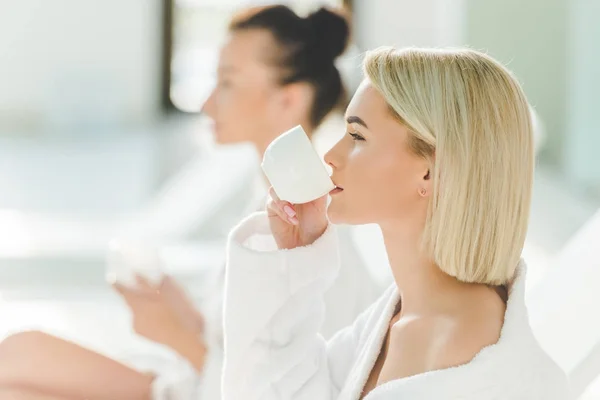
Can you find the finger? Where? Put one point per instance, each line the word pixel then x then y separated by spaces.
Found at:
pixel 283 211
pixel 144 287
pixel 273 210
pixel 273 194
pixel 286 207
pixel 270 202
pixel 143 283
pixel 131 294
pixel 290 212
pixel 125 294
pixel 119 288
pixel 168 280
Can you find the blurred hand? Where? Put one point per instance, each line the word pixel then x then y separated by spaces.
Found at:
pixel 296 225
pixel 161 313
pixel 175 295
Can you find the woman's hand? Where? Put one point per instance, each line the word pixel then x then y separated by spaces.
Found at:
pixel 296 225
pixel 161 311
pixel 164 314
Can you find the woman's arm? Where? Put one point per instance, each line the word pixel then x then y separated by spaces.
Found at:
pixel 189 346
pixel 36 362
pixel 273 311
pixel 168 300
pixel 24 394
pixel 164 314
pixel 44 363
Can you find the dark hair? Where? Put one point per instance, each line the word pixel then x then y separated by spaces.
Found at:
pixel 308 49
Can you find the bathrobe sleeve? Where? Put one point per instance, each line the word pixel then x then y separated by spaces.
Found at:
pixel 273 310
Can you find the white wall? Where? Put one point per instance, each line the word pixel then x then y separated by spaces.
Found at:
pixel 531 38
pixel 68 62
pixel 408 23
pixel 583 118
pixel 106 174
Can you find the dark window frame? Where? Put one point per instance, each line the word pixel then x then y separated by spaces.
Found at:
pixel 167 56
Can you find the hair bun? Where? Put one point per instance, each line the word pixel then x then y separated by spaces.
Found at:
pixel 331 31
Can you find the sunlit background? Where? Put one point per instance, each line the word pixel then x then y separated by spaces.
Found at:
pixel 100 136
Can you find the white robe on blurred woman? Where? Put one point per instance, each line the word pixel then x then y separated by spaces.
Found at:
pixel 354 291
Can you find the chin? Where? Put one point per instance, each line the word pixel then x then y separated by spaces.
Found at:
pixel 341 214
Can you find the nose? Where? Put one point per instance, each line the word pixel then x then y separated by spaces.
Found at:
pixel 336 156
pixel 208 107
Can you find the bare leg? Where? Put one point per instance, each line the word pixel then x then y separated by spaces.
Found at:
pixel 46 364
pixel 21 394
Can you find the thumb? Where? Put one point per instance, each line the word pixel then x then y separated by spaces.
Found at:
pixel 119 288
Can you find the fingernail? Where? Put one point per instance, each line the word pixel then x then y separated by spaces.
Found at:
pixel 289 211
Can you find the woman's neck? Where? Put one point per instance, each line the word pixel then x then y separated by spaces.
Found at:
pixel 421 283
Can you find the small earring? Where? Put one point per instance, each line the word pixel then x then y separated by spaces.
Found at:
pixel 423 192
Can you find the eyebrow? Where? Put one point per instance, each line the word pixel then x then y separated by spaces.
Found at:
pixel 352 119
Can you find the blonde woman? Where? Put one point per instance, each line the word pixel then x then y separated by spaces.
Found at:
pixel 438 153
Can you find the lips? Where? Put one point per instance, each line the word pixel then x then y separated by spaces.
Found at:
pixel 337 189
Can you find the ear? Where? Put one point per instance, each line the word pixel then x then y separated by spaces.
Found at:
pixel 294 100
pixel 426 184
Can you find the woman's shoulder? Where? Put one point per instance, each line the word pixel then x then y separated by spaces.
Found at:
pixel 439 356
pixel 441 340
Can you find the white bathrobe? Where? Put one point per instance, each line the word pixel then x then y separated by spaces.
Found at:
pixel 274 308
pixel 177 379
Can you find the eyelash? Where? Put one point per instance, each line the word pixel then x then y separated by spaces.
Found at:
pixel 356 136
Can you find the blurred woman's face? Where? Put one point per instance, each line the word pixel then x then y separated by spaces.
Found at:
pixel 380 179
pixel 242 103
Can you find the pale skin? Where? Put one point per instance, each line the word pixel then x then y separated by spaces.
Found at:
pixel 21 394
pixel 440 321
pixel 247 105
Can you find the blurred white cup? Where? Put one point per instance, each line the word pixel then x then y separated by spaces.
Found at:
pixel 294 168
pixel 127 258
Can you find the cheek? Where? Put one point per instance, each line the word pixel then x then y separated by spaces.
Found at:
pixel 238 115
pixel 363 176
pixel 376 187
pixel 379 189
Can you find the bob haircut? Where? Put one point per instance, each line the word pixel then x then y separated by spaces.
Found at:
pixel 469 116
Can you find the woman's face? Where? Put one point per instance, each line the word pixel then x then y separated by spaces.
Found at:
pixel 248 104
pixel 381 180
pixel 241 103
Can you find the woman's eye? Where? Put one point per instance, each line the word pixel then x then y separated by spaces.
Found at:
pixel 356 136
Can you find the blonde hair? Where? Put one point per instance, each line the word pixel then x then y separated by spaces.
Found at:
pixel 470 117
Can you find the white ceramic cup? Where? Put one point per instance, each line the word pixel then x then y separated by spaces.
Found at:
pixel 128 258
pixel 294 168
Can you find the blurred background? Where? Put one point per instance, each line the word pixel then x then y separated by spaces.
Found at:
pixel 101 136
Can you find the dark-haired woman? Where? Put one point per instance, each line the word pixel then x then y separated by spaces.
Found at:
pixel 276 70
